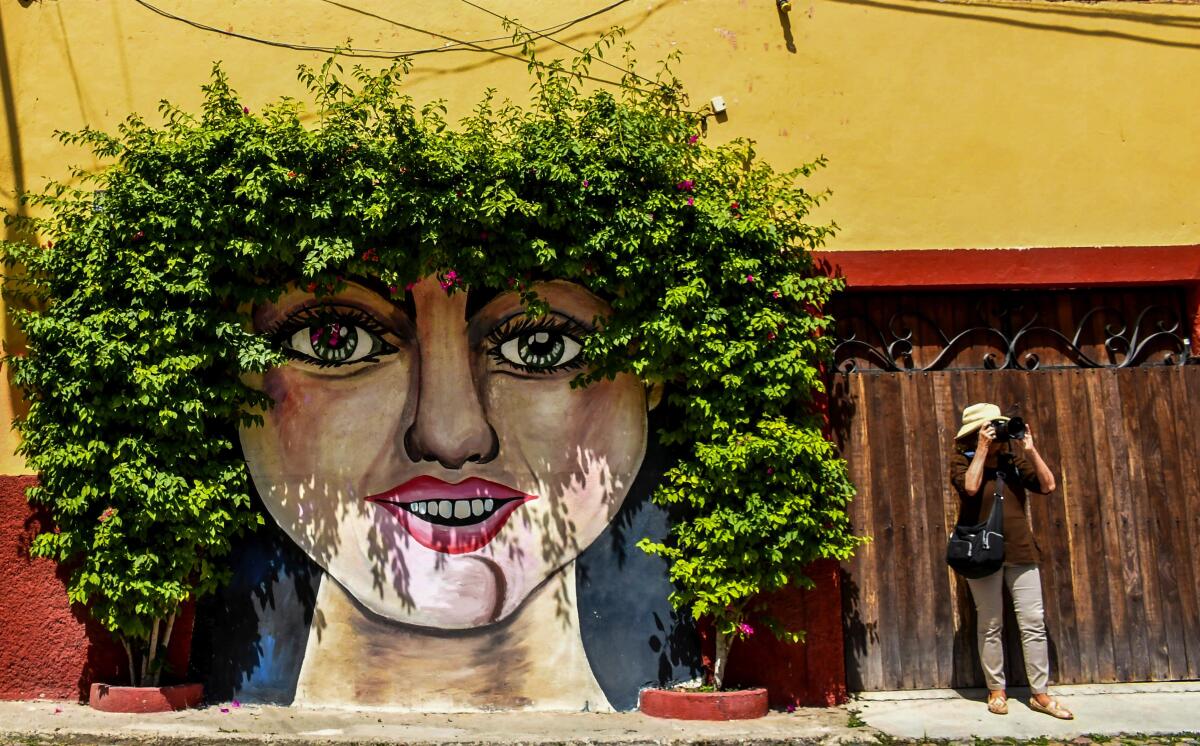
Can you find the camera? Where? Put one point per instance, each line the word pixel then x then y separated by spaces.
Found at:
pixel 1010 429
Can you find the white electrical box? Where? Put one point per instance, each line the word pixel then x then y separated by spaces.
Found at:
pixel 718 104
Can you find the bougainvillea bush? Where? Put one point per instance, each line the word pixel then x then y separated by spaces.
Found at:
pixel 138 280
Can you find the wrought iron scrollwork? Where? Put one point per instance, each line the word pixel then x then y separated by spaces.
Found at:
pixel 1157 337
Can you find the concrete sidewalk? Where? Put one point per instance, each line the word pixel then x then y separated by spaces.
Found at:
pixel 1106 710
pixel 23 722
pixel 1100 709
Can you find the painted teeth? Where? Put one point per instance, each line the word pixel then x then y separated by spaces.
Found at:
pixel 458 509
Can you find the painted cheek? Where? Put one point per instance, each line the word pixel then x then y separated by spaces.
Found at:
pixel 276 385
pixel 586 444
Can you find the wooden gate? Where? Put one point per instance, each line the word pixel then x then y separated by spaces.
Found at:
pixel 1121 561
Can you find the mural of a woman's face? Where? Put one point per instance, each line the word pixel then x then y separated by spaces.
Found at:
pixel 432 456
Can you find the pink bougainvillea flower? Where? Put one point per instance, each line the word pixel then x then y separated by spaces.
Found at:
pixel 770 470
pixel 139 236
pixel 393 289
pixel 235 703
pixel 734 206
pixel 692 140
pixel 745 629
pixel 370 255
pixel 109 512
pixel 791 708
pixel 691 201
pixel 245 109
pixel 686 185
pixel 750 279
pixel 771 335
pixel 776 294
pixel 586 183
pixel 224 710
pixel 409 286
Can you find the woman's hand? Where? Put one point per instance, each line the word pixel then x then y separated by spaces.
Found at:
pixel 1044 475
pixel 987 434
pixel 1027 441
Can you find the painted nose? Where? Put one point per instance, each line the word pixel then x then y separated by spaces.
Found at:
pixel 450 425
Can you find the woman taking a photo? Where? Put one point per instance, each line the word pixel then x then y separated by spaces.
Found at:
pixel 977 460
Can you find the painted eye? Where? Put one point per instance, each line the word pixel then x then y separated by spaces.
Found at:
pixel 335 341
pixel 540 350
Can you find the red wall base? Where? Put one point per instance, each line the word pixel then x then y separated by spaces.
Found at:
pixel 49 649
pixel 809 674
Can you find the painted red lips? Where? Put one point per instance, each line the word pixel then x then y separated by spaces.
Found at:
pixel 451 518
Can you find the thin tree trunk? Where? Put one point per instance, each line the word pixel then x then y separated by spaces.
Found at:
pixel 133 677
pixel 165 643
pixel 723 643
pixel 152 653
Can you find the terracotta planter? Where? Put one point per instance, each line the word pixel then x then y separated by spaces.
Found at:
pixel 683 705
pixel 145 698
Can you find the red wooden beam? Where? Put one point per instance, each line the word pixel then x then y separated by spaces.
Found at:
pixel 964 269
pixel 1069 267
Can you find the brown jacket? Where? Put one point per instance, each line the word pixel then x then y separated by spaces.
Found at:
pixel 1019 545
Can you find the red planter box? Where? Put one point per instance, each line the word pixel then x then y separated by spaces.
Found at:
pixel 736 705
pixel 145 698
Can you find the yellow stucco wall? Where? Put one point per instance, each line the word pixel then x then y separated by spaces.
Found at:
pixel 947 124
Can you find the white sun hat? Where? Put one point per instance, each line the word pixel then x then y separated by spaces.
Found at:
pixel 976 416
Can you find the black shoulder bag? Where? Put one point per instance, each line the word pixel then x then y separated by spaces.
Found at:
pixel 977 551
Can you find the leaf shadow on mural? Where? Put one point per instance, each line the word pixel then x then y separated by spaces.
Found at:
pixel 251 636
pixel 492 596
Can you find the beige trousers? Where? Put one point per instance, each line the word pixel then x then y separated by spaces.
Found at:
pixel 1025 586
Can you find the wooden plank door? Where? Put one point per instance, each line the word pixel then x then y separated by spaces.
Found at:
pixel 1121 564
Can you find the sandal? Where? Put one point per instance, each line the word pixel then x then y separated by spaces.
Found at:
pixel 1054 709
pixel 998 705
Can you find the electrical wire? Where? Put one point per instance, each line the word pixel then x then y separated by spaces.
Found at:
pixel 477 47
pixel 546 35
pixel 455 46
pixel 452 45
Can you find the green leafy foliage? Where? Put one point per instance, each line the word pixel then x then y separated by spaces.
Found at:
pixel 140 285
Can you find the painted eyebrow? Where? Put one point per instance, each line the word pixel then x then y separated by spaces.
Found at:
pixel 375 285
pixel 478 298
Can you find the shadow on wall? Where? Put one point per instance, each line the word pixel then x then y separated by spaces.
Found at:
pixel 858 635
pixel 979 12
pixel 632 636
pixel 250 636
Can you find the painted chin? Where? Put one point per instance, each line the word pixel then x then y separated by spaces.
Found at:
pixel 451 518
